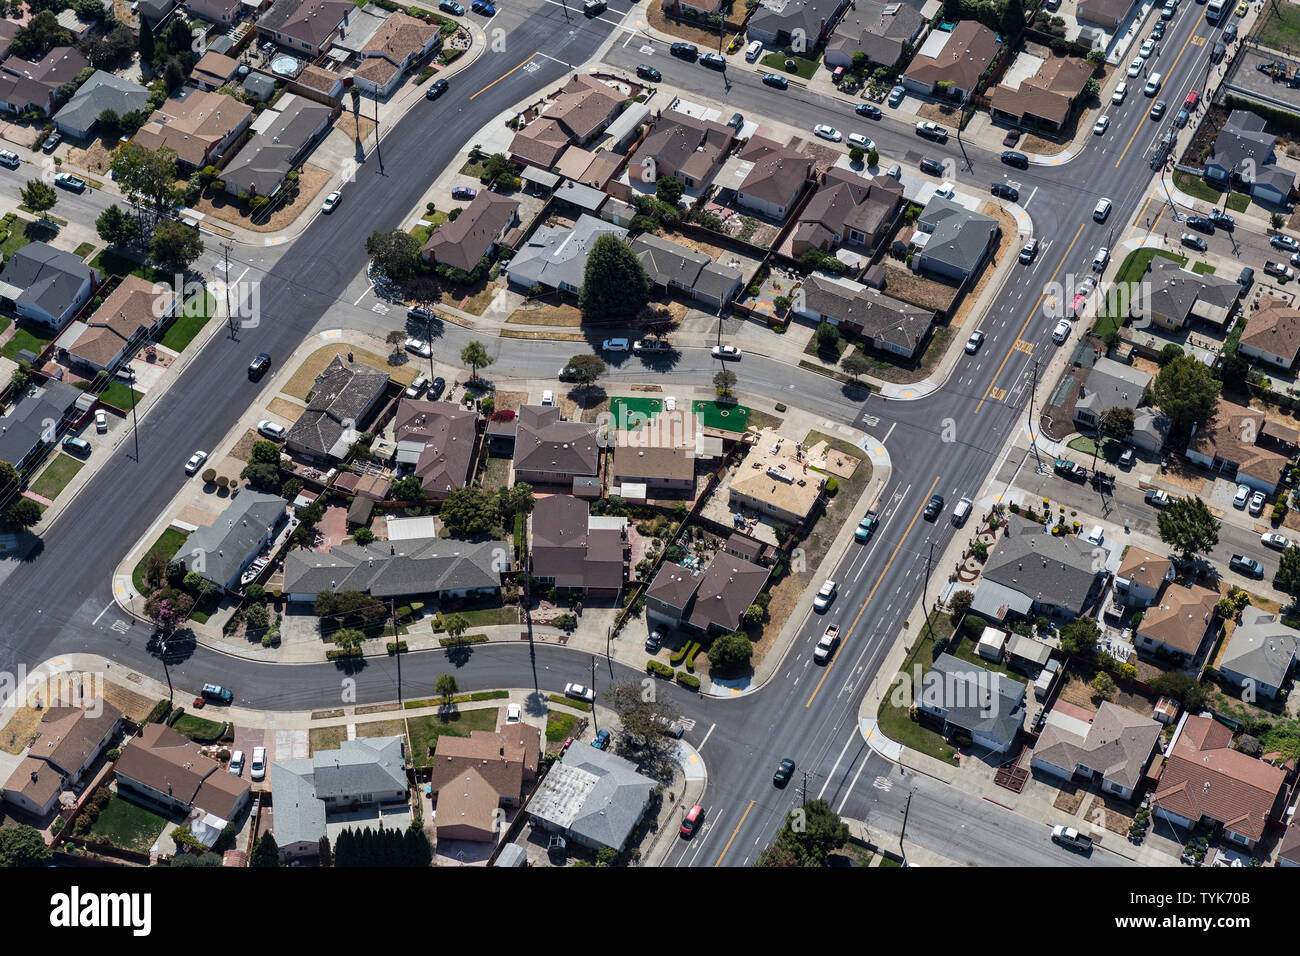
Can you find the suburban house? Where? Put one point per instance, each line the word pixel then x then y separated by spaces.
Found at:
pixel 881 31
pixel 367 773
pixel 1110 384
pixel 555 257
pixel 661 468
pixel 774 481
pixel 1234 443
pixel 475 777
pixel 435 442
pixel 1174 296
pixel 987 705
pixel 8 30
pixel 218 11
pixel 674 267
pixel 1150 429
pixel 400 43
pixel 593 798
pixel 683 147
pixel 1243 156
pixel 886 323
pixel 25 428
pixel 103 91
pixel 305 26
pixel 952 61
pixel 551 451
pixel 398 568
pixel 712 602
pixel 282 139
pixel 846 209
pixel 172 775
pixel 581 110
pixel 129 316
pixel 214 70
pixel 1104 13
pixel 342 399
pixel 1178 625
pixel 221 551
pixel 155 10
pixel 475 233
pixel 1260 653
pixel 576 550
pixel 775 179
pixel 1040 93
pixel 1272 333
pixel 1110 748
pixel 1288 851
pixel 951 240
pixel 198 124
pixel 802 25
pixel 1141 576
pixel 28 83
pixel 47 285
pixel 68 741
pixel 1205 780
pixel 1033 573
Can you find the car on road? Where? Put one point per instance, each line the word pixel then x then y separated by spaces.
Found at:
pixel 1193 242
pixel 1279 270
pixel 825 595
pixel 974 342
pixel 776 80
pixel 1102 124
pixel 730 352
pixel 418 347
pixel 485 7
pixel 654 640
pixel 1222 219
pixel 714 61
pixel 602 740
pixel 593 8
pixel 931 166
pixel 1280 241
pixel 1181 119
pixel 1121 91
pixel 674 728
pixel 1256 505
pixel 932 130
pixel 615 345
pixel 257 368
pixel 1158 31
pixel 52 142
pixel 784 771
pixel 687 50
pixel 421 313
pixel 196 462
pixel 1135 67
pixel 1241 10
pixel 1242 496
pixel 1168 10
pixel 1295 258
pixel 1200 224
pixel 435 90
pixel 869 110
pixel 271 430
pixel 1005 191
pixel 579 692
pixel 9 158
pixel 1219 50
pixel 1100 259
pixel 70 182
pixel 828 132
pixel 691 822
pixel 452 7
pixel 1061 332
pixel 933 508
pixel 649 73
pixel 1029 251
pixel 257 769
pixel 867 526
pixel 1246 565
pixel 896 95
pixel 862 142
pixel 1278 542
pixel 1148 47
pixel 236 765
pixel 1076 307
pixel 1072 839
pixel 331 201
pixel 464 193
pixel 216 693
pixel 1230 32
pixel 1156 497
pixel 1101 210
pixel 642 346
pixel 1158 109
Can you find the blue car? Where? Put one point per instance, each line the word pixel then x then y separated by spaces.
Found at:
pixel 602 740
pixel 484 7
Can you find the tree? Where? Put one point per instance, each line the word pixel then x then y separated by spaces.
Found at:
pixel 475 355
pixel 657 321
pixel 145 174
pixel 614 284
pixel 873 157
pixel 669 189
pixel 1012 20
pixel 1288 572
pixel 408 488
pixel 168 609
pixel 1118 421
pixel 1091 88
pixel 730 652
pixel 266 853
pixel 1167 354
pixel 39 197
pixel 1181 687
pixel 1080 636
pixel 175 245
pixel 857 154
pixel 516 500
pixel 41 33
pixel 22 845
pixel 445 686
pixel 348 638
pixel 1186 392
pixel 457 625
pixel 324 857
pixel 146 42
pixel 469 513
pixel 1103 685
pixel 173 74
pixel 828 338
pixel 1187 526
pixel 724 381
pixel 586 369
pixel 23 513
pixel 808 837
pixel 8 477
pixel 116 227
pixel 110 124
pixel 396 254
pixel 857 365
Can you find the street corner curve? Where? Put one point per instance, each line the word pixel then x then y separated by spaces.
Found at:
pixel 875 738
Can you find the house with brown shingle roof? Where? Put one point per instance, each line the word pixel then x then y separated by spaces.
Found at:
pixel 846 209
pixel 575 115
pixel 710 603
pixel 475 233
pixel 551 451
pixel 1231 443
pixel 170 773
pixel 1141 576
pixel 198 124
pixel 213 70
pixel 1046 98
pixel 395 47
pixel 1112 747
pixel 1105 13
pixel 475 776
pixel 570 550
pixel 959 58
pixel 26 83
pixel 1272 333
pixel 435 442
pixel 776 179
pixel 69 740
pixel 882 31
pixel 1179 624
pixel 680 146
pixel 133 312
pixel 1205 780
pixel 305 26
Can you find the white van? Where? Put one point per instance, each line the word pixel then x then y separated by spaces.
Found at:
pixel 753 51
pixel 1214 10
pixel 1096 536
pixel 1153 84
pixel 961 512
pixel 548 397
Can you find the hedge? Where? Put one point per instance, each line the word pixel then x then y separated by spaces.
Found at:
pixel 690 655
pixel 466 639
pixel 679 655
pixel 174 716
pixel 159 711
pixel 338 653
pixel 658 668
pixel 394 647
pixel 688 680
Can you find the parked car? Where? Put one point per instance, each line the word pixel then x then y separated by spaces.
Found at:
pixel 485 7
pixel 931 130
pixel 593 8
pixel 421 313
pixel 714 61
pixel 896 95
pixel 52 142
pixel 862 142
pixel 1248 566
pixel 1278 542
pixel 642 346
pixel 933 507
pixel 974 342
pixel 654 640
pixel 331 201
pixel 435 90
pixel 1257 503
pixel 70 182
pixel 1200 224
pixel 1193 242
pixel 931 166
pixel 1005 191
pixel 1242 496
pixel 1279 270
pixel 869 110
pixel 1029 251
pixel 688 50
pixel 1230 32
pixel 257 368
pixel 825 595
pixel 1247 277
pixel 10 159
pixel 1013 158
pixel 776 80
pixel 753 51
pixel 691 822
pixel 730 352
pixel 1280 241
pixel 867 526
pixel 1061 332
pixel 615 345
pixel 464 193
pixel 236 765
pixel 435 390
pixel 1148 47
pixel 1102 124
pixel 784 771
pixel 1135 67
pixel 649 73
pixel 1222 219
pixel 1011 138
pixel 828 132
pixel 1070 837
pixel 452 7
pixel 1156 497
pixel 271 430
pixel 216 693
pixel 1100 259
pixel 579 692
pixel 418 347
pixel 101 420
pixel 78 446
pixel 415 389
pixel 196 462
pixel 601 742
pixel 257 769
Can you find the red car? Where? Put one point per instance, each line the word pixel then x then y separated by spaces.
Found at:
pixel 1193 98
pixel 692 822
pixel 1011 138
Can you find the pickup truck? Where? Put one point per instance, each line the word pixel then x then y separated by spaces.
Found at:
pixel 1069 469
pixel 1072 838
pixel 641 346
pixel 1244 565
pixel 826 646
pixel 867 526
pixel 932 130
pixel 1156 497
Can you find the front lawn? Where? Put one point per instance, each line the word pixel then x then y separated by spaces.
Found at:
pixel 56 476
pixel 896 722
pixel 127 825
pixel 425 731
pixel 1279 27
pixel 118 394
pixel 168 543
pixel 26 336
pixel 559 727
pixel 1111 315
pixel 1196 187
pixel 193 317
pixel 198 729
pixel 803 67
pixel 115 264
pixel 487 616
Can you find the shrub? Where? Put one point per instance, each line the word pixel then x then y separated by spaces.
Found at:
pixel 396 646
pixel 336 653
pixel 209 476
pixel 158 712
pixel 363 536
pixel 112 753
pixel 832 486
pixel 658 668
pixel 688 680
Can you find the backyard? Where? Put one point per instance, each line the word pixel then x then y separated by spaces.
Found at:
pixel 34 338
pixel 1279 27
pixel 127 825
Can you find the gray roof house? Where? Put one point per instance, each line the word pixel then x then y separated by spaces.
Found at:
pixel 398 569
pixel 306 26
pixel 47 285
pixel 367 772
pixel 1110 385
pixel 1175 295
pixel 1243 155
pixel 1031 572
pixel 550 450
pixel 1260 653
pixel 283 138
pixel 103 91
pixel 988 705
pixel 556 258
pixel 804 23
pixel 1114 748
pixel 951 240
pixel 592 797
pixel 220 551
pixel 672 266
pixel 886 323
pixel 342 398
pixel 880 30
pixel 475 233
pixel 23 430
pixel 1150 429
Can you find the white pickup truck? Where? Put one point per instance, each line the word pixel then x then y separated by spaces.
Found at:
pixel 826 646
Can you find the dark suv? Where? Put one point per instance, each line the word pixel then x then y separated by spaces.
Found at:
pixel 933 507
pixel 257 368
pixel 688 50
pixel 931 166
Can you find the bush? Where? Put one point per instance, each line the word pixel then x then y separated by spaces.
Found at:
pixel 396 646
pixel 336 653
pixel 158 712
pixel 209 476
pixel 658 668
pixel 832 486
pixel 112 754
pixel 688 680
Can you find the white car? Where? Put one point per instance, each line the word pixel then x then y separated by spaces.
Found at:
pixel 514 713
pixel 196 462
pixel 824 597
pixel 418 347
pixel 616 345
pixel 548 397
pixel 1061 332
pixel 236 763
pixel 1271 539
pixel 257 769
pixel 1121 91
pixel 101 420
pixel 1257 503
pixel 857 139
pixel 828 132
pixel 271 430
pixel 1135 67
pixel 1148 47
pixel 946 191
pixel 9 158
pixel 974 342
pixel 1243 495
pixel 579 692
pixel 1100 259
pixel 331 201
pixel 726 352
pixel 670 403
pixel 1099 127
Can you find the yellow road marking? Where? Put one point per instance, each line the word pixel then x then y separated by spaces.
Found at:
pixel 733 834
pixel 504 75
pixel 1142 125
pixel 1023 346
pixel 997 394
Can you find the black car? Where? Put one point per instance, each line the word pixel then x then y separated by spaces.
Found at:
pixel 688 50
pixel 257 368
pixel 1230 32
pixel 869 110
pixel 653 642
pixel 933 507
pixel 1158 109
pixel 649 73
pixel 435 390
pixel 1200 224
pixel 931 166
pixel 1013 158
pixel 1247 277
pixel 1003 191
pixel 784 770
pixel 777 80
pixel 1222 219
pixel 435 90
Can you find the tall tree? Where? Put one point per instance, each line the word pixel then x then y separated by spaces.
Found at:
pixel 396 254
pixel 1118 422
pixel 614 284
pixel 730 652
pixel 516 500
pixel 21 845
pixel 856 364
pixel 445 686
pixel 586 369
pixel 724 381
pixel 146 43
pixel 1187 526
pixel 23 513
pixel 1186 392
pixel 175 245
pixel 457 625
pixel 476 356
pixel 469 513
pixel 323 855
pixel 266 853
pixel 38 196
pixel 145 175
pixel 1288 572
pixel 809 835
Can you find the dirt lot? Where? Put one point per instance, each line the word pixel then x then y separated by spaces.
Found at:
pixel 94 158
pixel 1118 815
pixel 1077 692
pixel 311 180
pixel 1183 474
pixel 658 20
pixel 510 400
pixel 244 447
pixel 903 284
pixel 348 125
pixel 939 113
pixel 302 380
pixel 553 315
pixel 712 252
pixel 285 408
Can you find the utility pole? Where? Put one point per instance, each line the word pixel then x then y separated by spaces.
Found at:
pixel 594 724
pixel 397 648
pixel 428 337
pixel 925 591
pixel 135 422
pixel 230 318
pixel 378 152
pixel 804 795
pixel 906 809
pixel 1033 397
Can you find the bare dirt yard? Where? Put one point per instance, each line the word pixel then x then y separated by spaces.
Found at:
pixel 311 180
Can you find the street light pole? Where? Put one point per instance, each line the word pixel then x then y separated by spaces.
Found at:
pixel 925 592
pixel 230 318
pixel 595 725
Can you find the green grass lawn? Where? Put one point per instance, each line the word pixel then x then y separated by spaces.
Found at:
pixel 115 264
pixel 895 722
pixel 83 250
pixel 732 418
pixel 168 543
pixel 193 317
pixel 1203 269
pixel 559 727
pixel 17 235
pixel 425 731
pixel 1196 187
pixel 25 337
pixel 627 410
pixel 127 825
pixel 485 616
pixel 1238 202
pixel 118 394
pixel 56 476
pixel 199 729
pixel 1279 26
pixel 804 67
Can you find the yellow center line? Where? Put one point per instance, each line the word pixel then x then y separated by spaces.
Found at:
pixel 1032 313
pixel 830 663
pixel 733 834
pixel 1169 72
pixel 504 75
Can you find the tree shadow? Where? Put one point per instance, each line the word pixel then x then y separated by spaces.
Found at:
pixel 855 391
pixel 459 654
pixel 351 665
